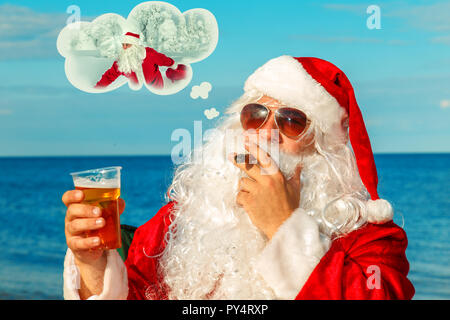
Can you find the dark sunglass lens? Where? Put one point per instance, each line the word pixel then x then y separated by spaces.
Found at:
pixel 253 116
pixel 291 122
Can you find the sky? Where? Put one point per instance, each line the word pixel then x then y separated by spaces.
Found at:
pixel 400 73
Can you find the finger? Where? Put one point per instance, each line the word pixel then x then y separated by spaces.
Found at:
pixel 79 210
pixel 268 166
pixel 252 170
pixel 72 196
pixel 247 184
pixel 242 198
pixel 262 157
pixel 79 226
pixel 296 177
pixel 79 243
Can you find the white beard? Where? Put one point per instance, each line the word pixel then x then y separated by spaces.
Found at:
pixel 213 245
pixel 131 59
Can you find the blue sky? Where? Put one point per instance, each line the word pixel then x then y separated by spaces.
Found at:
pixel 401 74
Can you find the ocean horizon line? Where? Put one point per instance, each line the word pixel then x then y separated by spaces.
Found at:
pixel 168 155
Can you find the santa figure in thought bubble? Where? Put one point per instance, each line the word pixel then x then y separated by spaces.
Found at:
pixel 139 63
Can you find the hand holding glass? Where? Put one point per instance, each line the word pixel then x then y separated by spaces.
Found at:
pixel 101 188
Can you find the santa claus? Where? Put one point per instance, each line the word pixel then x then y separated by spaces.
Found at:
pixel 305 222
pixel 139 64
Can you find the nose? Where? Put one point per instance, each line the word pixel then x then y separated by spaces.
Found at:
pixel 269 131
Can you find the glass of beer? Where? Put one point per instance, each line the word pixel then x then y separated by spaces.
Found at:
pixel 101 188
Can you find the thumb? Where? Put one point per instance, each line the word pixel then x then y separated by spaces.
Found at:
pixel 294 186
pixel 296 177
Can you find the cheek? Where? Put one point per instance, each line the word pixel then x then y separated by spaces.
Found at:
pixel 290 146
pixel 295 147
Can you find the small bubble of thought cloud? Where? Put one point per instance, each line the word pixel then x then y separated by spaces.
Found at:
pixel 201 91
pixel 445 104
pixel 211 113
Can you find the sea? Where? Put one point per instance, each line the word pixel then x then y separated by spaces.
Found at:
pixel 32 215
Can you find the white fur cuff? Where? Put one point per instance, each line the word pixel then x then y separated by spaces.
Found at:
pixel 115 281
pixel 291 255
pixel 71 277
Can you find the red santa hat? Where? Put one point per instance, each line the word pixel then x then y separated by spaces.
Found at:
pixel 131 38
pixel 325 94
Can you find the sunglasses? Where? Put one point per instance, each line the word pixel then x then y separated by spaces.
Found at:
pixel 291 122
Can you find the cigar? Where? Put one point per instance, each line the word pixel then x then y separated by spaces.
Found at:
pixel 246 158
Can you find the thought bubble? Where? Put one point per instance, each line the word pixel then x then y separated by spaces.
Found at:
pixel 211 113
pixel 201 91
pixel 92 48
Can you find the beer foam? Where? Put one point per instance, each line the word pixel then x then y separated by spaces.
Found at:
pixel 102 183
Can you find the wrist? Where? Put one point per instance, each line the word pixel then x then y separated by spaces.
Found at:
pixel 97 262
pixel 283 216
pixel 91 276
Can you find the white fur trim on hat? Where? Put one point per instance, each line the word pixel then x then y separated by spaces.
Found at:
pixel 131 40
pixel 379 211
pixel 285 79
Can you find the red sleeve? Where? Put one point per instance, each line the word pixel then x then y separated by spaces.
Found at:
pixel 109 76
pixel 368 264
pixel 142 261
pixel 159 58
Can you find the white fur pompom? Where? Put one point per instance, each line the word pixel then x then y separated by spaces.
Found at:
pixel 379 211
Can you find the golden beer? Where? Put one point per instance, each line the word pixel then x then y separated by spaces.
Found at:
pixel 101 188
pixel 107 199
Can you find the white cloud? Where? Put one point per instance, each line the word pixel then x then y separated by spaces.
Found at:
pixel 201 91
pixel 5 112
pixel 349 39
pixel 441 40
pixel 430 17
pixel 445 103
pixel 335 39
pixel 354 8
pixel 211 113
pixel 25 33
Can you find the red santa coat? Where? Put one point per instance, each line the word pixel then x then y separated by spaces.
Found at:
pixel 150 68
pixel 342 273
